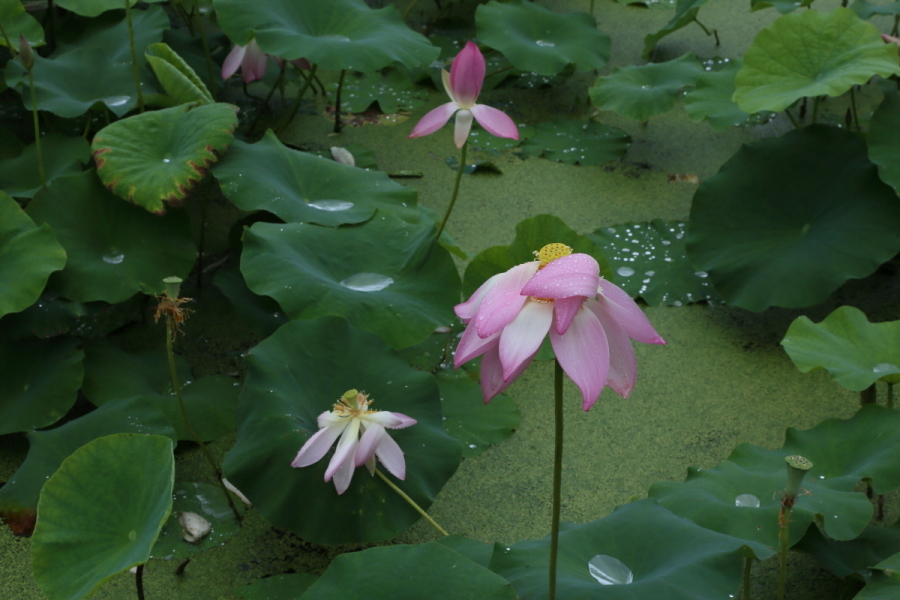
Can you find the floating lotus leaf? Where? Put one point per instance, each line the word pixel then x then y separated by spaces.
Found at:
pixel 646 91
pixel 49 316
pixel 208 501
pixel 782 6
pixel 20 177
pixel 578 142
pixel 866 10
pixel 429 570
pixel 295 375
pixel 884 146
pixel 110 32
pixel 40 382
pixel 880 587
pixel 853 557
pixel 28 254
pixel 277 587
pixel 710 99
pixel 476 425
pixel 393 91
pixel 114 249
pixel 17 22
pixel 539 40
pixel 811 54
pixel 92 8
pixel 649 261
pixel 531 235
pixel 666 556
pixel 384 276
pixel 685 14
pixel 100 513
pixel 478 552
pixel 47 450
pixel 111 374
pixel 338 34
pixel 177 78
pixel 299 187
pixel 855 353
pixel 787 220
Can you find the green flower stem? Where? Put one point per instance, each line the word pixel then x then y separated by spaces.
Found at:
pixel 337 102
pixel 37 130
pixel 139 581
pixel 134 58
pixel 209 62
pixel 170 335
pixel 853 108
pixel 6 39
pixel 557 475
pixel 411 502
pixel 459 172
pixel 783 516
pixel 748 562
pixel 296 106
pixel 409 8
pixel 797 467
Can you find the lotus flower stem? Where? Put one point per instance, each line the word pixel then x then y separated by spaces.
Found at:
pixel 6 39
pixel 815 115
pixel 169 305
pixel 278 82
pixel 868 396
pixel 797 466
pixel 459 172
pixel 748 562
pixel 557 474
pixel 793 120
pixel 853 107
pixel 714 32
pixel 409 8
pixel 296 106
pixel 411 502
pixel 37 130
pixel 139 581
pixel 337 102
pixel 209 62
pixel 890 395
pixel 896 24
pixel 134 57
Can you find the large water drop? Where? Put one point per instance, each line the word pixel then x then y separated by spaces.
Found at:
pixel 367 282
pixel 609 570
pixel 331 205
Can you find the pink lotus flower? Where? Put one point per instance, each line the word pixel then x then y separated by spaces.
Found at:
pixel 251 60
pixel 350 418
pixel 590 321
pixel 463 84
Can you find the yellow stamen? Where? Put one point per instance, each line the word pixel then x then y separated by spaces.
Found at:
pixel 551 252
pixel 352 403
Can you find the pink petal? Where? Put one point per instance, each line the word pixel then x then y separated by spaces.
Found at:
pixel 468 309
pixel 619 305
pixel 346 448
pixel 391 456
pixel 495 121
pixel 368 442
pixel 404 421
pixel 472 345
pixel 317 446
pixel 565 310
pixel 467 74
pixel 343 476
pixel 445 77
pixel 522 338
pixel 255 61
pixel 389 419
pixel 573 275
pixel 504 300
pixel 233 61
pixel 462 128
pixel 622 362
pixel 492 381
pixel 434 120
pixel 583 354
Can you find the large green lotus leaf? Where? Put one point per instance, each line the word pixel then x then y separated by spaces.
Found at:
pixel 114 249
pixel 100 513
pixel 384 276
pixel 49 316
pixel 578 142
pixel 478 552
pixel 429 570
pixel 17 22
pixel 710 99
pixel 92 8
pixel 277 587
pixel 855 353
pixel 645 91
pixel 538 40
pixel 685 13
pixel 204 499
pixel 866 10
pixel 884 147
pixel 787 220
pixel 177 78
pixel 476 425
pixel 782 6
pixel 210 401
pixel 811 54
pixel 658 554
pixel 40 382
pixel 853 557
pixel 338 34
pixel 650 261
pixel 299 187
pixel 110 32
pixel 158 156
pixel 20 177
pixel 880 587
pixel 393 91
pixel 531 235
pixel 47 450
pixel 28 254
pixel 295 375
pixel 261 313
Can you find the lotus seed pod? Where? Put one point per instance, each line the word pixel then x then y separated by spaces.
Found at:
pixel 193 527
pixel 797 466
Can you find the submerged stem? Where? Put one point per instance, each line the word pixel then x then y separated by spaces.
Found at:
pixel 411 502
pixel 296 106
pixel 557 475
pixel 459 172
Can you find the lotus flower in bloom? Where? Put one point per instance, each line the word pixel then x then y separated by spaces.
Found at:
pixel 251 60
pixel 463 84
pixel 590 321
pixel 350 418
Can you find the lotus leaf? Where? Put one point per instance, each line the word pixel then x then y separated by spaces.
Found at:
pixel 28 255
pixel 20 177
pixel 114 249
pixel 853 557
pixel 811 54
pixel 299 187
pixel 277 587
pixel 646 91
pixel 92 8
pixel 880 587
pixel 384 276
pixel 787 220
pixel 866 10
pixel 538 40
pixel 393 91
pixel 782 6
pixel 286 391
pixel 578 142
pixel 710 99
pixel 177 78
pixel 338 34
pixel 110 32
pixel 17 22
pixel 206 500
pixel 884 145
pixel 685 14
pixel 101 512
